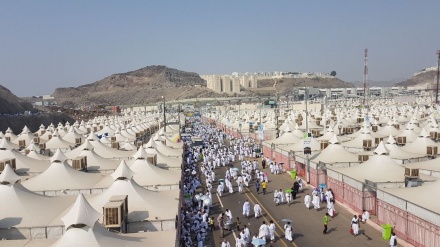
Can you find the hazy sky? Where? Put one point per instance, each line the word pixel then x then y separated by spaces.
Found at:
pixel 49 44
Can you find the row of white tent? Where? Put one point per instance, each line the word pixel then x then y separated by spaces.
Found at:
pixel 149 176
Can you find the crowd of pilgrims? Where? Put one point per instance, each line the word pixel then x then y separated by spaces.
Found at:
pixel 196 219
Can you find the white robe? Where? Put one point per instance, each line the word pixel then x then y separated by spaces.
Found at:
pixel 355 226
pixel 288 231
pixel 257 210
pixel 330 208
pixel 263 231
pixel 316 202
pixel 246 208
pixel 272 231
pixel 307 201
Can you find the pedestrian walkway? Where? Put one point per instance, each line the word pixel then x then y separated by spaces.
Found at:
pixel 307 224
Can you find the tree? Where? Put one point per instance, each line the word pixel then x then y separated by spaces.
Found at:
pixel 333 73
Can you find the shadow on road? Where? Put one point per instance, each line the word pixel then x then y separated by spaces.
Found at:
pixel 296 236
pixel 333 229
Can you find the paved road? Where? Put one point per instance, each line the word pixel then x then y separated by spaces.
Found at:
pixel 307 224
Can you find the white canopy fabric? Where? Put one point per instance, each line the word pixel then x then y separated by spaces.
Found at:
pixel 420 195
pixel 34 155
pixel 123 171
pixel 167 151
pixel 164 161
pixel 378 168
pixel 285 139
pixel 58 155
pixel 358 142
pixel 100 149
pixel 23 208
pixel 148 174
pixel 8 175
pixel 143 204
pixel 419 146
pixel 299 146
pixel 24 164
pixel 96 162
pixel 56 142
pixel 5 144
pixel 98 236
pixel 81 213
pixel 61 176
pixel 335 153
pixel 72 135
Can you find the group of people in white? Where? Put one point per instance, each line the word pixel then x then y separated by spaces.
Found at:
pixel 318 196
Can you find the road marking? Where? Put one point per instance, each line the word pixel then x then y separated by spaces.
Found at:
pixel 221 204
pixel 271 217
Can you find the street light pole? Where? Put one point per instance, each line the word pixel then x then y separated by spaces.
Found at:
pixel 306 97
pixel 438 74
pixel 164 116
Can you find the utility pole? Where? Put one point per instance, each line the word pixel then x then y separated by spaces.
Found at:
pixel 277 115
pixel 438 74
pixel 306 97
pixel 164 116
pixel 365 75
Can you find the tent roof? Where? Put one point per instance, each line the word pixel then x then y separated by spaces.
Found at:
pixel 421 195
pixel 61 176
pixel 23 208
pixel 334 153
pixel 385 170
pixel 81 213
pixel 143 204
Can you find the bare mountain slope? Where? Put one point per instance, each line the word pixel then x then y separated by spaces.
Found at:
pixel 11 104
pixel 141 86
pixel 428 77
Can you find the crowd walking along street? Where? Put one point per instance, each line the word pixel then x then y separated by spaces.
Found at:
pixel 224 205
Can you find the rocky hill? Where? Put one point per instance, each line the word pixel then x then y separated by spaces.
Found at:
pixel 12 114
pixel 11 104
pixel 142 86
pixel 428 77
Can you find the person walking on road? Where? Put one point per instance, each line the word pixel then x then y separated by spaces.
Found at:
pixel 225 243
pixel 288 231
pixel 393 240
pixel 263 231
pixel 222 227
pixel 257 210
pixel 325 223
pixel 264 187
pixel 355 225
pixel 246 208
pixel 272 231
pixel 257 186
pixel 307 200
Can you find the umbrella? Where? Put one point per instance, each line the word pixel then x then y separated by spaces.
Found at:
pixel 258 241
pixel 235 169
pixel 287 220
pixel 221 180
pixel 289 190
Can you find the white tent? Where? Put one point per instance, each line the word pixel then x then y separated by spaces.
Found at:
pixel 285 139
pixel 56 142
pixel 61 176
pixel 143 204
pixel 5 144
pixel 24 164
pixel 23 208
pixel 99 148
pixel 334 153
